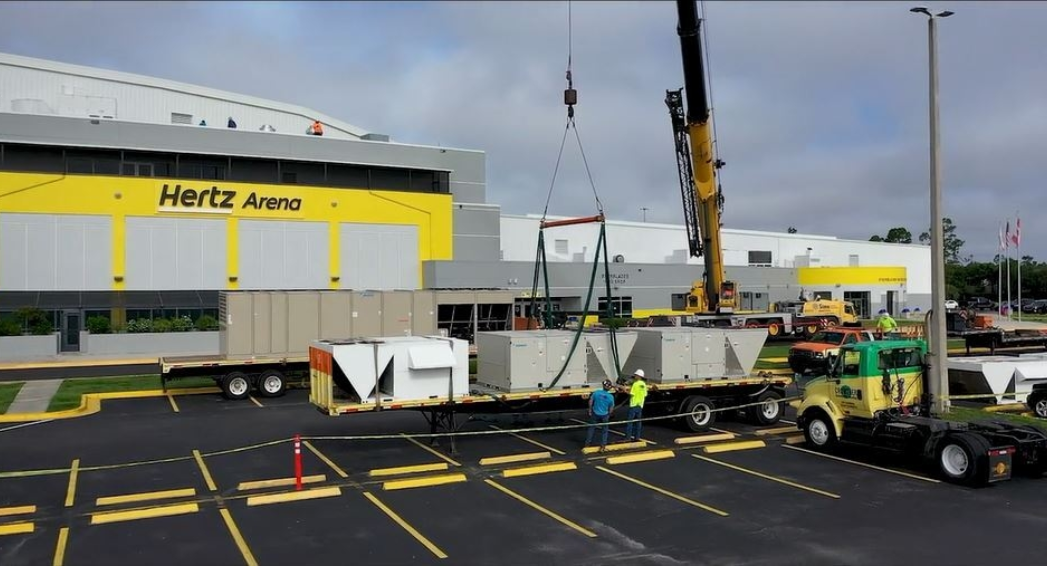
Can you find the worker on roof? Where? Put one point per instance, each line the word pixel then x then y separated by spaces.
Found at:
pixel 231 123
pixel 637 396
pixel 886 325
pixel 601 403
pixel 317 129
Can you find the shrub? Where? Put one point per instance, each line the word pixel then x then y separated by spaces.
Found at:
pixel 162 325
pixel 10 327
pixel 99 325
pixel 181 324
pixel 206 323
pixel 140 325
pixel 38 321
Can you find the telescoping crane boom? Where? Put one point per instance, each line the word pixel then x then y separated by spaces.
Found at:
pixel 698 165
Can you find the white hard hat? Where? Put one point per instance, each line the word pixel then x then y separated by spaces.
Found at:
pixel 638 373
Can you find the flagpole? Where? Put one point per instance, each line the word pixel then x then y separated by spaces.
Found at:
pixel 999 272
pixel 1009 306
pixel 1018 256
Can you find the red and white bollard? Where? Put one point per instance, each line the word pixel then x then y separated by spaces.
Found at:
pixel 297 462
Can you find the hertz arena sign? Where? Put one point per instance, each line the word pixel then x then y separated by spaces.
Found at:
pixel 215 200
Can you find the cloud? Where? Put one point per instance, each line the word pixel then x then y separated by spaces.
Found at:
pixel 821 108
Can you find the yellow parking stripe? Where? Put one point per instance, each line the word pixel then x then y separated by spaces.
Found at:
pixel 614 447
pixel 777 430
pixel 289 496
pixel 540 469
pixel 70 494
pixel 664 492
pixel 174 406
pixel 641 457
pixel 540 509
pixel 238 538
pixel 862 464
pixel 147 513
pixel 427 481
pixel 148 496
pixel 531 441
pixel 407 527
pixel 383 472
pixel 23 510
pixel 704 438
pixel 617 432
pixel 732 446
pixel 325 459
pixel 279 482
pixel 782 481
pixel 433 452
pixel 795 439
pixel 255 401
pixel 17 529
pixel 203 469
pixel 63 538
pixel 513 458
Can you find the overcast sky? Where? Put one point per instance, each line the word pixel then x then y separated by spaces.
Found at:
pixel 821 108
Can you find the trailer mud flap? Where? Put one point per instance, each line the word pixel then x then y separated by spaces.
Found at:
pixel 1000 464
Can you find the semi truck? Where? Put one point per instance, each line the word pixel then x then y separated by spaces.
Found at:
pixel 875 398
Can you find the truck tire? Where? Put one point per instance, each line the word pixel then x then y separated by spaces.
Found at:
pixel 697 413
pixel 272 383
pixel 236 385
pixel 818 430
pixel 964 458
pixel 774 328
pixel 1037 402
pixel 768 412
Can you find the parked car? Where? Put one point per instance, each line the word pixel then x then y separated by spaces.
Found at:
pixel 980 304
pixel 951 305
pixel 1035 307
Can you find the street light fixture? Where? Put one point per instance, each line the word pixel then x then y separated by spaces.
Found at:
pixel 938 379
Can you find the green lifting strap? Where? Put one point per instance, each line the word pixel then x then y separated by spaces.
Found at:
pixel 541 270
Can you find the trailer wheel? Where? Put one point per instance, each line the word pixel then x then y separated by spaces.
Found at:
pixel 768 411
pixel 1038 403
pixel 698 413
pixel 272 383
pixel 963 458
pixel 818 430
pixel 236 385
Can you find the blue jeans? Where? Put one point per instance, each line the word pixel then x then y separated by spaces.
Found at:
pixel 601 422
pixel 634 413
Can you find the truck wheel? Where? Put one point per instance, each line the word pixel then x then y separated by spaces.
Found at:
pixel 1038 403
pixel 236 385
pixel 818 431
pixel 272 383
pixel 768 411
pixel 963 458
pixel 774 329
pixel 698 413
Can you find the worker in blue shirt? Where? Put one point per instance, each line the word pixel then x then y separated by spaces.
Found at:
pixel 601 403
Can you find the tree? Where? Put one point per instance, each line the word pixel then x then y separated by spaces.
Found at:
pixel 792 230
pixel 952 243
pixel 876 238
pixel 899 235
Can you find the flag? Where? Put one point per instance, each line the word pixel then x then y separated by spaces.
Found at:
pixel 1003 240
pixel 1017 237
pixel 1007 238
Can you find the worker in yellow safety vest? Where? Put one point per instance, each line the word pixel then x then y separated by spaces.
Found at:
pixel 886 325
pixel 637 396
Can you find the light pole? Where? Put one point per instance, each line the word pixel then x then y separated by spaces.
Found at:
pixel 938 380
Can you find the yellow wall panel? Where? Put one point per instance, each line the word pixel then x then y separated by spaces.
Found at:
pixel 851 275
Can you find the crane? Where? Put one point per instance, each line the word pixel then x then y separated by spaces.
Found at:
pixel 698 166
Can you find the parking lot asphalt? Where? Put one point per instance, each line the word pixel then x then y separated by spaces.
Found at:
pixel 201 480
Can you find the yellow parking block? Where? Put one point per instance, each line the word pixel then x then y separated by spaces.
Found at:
pixel 615 447
pixel 539 469
pixel 148 496
pixel 776 360
pixel 732 446
pixel 17 529
pixel 281 482
pixel 1008 407
pixel 777 430
pixel 513 458
pixel 427 481
pixel 21 510
pixel 383 472
pixel 147 513
pixel 705 438
pixel 289 496
pixel 793 440
pixel 641 457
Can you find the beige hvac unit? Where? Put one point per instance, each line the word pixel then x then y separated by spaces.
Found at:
pixel 262 324
pixel 366 313
pixel 396 313
pixel 278 327
pixel 303 320
pixel 335 314
pixel 423 313
pixel 235 313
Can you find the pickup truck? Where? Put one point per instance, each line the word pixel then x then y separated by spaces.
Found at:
pixel 813 354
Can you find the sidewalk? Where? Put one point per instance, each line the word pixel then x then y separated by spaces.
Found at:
pixel 35 396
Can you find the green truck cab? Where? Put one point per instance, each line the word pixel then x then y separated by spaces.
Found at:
pixel 874 397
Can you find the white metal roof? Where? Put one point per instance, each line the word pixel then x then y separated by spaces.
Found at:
pixel 177 87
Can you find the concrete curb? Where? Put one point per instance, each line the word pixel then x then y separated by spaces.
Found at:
pixel 5 366
pixel 91 403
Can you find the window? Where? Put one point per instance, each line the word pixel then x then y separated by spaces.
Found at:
pixel 253 170
pixel 390 179
pixel 851 362
pixel 200 167
pixel 852 260
pixel 96 162
pixel 561 247
pixel 137 169
pixel 177 118
pixel 900 358
pixel 348 176
pixel 148 164
pixel 34 158
pixel 621 306
pixel 302 173
pixel 760 259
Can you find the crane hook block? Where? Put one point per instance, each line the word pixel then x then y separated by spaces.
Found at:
pixel 570 97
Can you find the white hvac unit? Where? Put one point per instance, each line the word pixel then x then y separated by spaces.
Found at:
pixel 1008 378
pixel 688 353
pixel 529 359
pixel 400 368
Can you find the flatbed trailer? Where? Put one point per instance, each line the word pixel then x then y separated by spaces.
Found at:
pixel 994 338
pixel 778 324
pixel 236 376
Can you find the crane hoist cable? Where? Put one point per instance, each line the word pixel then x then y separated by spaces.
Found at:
pixel 541 272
